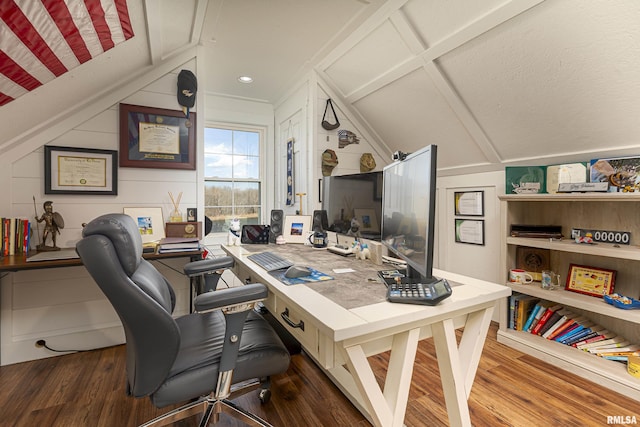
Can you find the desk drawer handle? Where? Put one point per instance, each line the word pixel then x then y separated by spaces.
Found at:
pixel 285 317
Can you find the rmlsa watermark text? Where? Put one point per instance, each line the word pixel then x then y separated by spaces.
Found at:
pixel 622 419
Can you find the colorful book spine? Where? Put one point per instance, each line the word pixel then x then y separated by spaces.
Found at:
pixel 525 305
pixel 576 327
pixel 532 317
pixel 602 343
pixel 615 351
pixel 27 235
pixel 12 233
pixel 580 329
pixel 603 335
pixel 570 323
pixel 6 236
pixel 565 315
pixel 546 317
pixel 608 347
pixel 585 334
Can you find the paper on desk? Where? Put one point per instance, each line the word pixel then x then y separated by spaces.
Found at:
pixel 343 270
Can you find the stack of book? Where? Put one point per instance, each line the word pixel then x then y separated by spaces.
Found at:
pixel 178 244
pixel 15 236
pixel 557 323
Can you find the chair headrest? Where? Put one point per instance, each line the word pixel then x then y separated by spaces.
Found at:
pixel 123 232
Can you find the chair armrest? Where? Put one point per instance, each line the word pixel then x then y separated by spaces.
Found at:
pixel 236 304
pixel 196 268
pixel 230 296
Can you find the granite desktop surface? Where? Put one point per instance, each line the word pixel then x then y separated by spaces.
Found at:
pixel 350 290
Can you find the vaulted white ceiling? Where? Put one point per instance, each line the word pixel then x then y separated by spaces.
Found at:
pixel 493 83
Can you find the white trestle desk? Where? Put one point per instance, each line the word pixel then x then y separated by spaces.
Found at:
pixel 341 322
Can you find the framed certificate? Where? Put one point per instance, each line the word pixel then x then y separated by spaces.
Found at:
pixel 469 231
pixel 469 203
pixel 590 281
pixel 156 138
pixel 70 170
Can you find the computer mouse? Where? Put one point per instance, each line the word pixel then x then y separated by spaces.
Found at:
pixel 297 271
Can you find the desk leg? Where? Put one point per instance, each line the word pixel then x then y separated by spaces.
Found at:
pixel 388 407
pixel 458 365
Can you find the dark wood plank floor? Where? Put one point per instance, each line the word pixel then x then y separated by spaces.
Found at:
pixel 511 389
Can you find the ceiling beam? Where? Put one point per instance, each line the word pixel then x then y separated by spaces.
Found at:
pixel 153 15
pixel 478 27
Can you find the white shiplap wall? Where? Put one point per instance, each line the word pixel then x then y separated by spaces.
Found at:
pixel 64 306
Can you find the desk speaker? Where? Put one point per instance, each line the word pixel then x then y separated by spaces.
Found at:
pixel 277 224
pixel 320 221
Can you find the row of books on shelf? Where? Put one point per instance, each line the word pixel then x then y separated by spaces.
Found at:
pixel 557 323
pixel 15 235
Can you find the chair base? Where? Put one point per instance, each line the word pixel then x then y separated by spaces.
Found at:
pixel 211 407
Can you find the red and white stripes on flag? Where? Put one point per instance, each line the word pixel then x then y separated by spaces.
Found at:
pixel 43 39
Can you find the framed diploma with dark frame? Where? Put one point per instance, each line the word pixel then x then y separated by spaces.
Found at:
pixel 156 138
pixel 71 170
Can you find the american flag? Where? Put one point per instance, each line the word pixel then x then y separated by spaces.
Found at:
pixel 43 39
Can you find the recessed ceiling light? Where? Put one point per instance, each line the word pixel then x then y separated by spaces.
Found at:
pixel 245 79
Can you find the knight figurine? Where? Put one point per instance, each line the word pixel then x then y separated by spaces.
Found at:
pixel 53 223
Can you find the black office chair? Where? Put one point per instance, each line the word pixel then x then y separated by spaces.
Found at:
pixel 197 356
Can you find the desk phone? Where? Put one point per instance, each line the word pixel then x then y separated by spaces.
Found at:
pixel 418 293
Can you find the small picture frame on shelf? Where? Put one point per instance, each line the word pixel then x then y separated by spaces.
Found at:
pixel 192 214
pixel 591 281
pixel 150 222
pixel 296 228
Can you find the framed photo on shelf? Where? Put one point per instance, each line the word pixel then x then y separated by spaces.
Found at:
pixel 296 228
pixel 469 231
pixel 156 138
pixel 192 214
pixel 367 218
pixel 150 222
pixel 469 203
pixel 590 280
pixel 70 170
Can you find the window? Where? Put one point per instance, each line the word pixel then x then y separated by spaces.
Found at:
pixel 233 176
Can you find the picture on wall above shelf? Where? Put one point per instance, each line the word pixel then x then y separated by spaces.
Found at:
pixel 156 138
pixel 469 231
pixel 71 170
pixel 469 203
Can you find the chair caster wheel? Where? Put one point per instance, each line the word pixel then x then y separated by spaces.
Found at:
pixel 265 395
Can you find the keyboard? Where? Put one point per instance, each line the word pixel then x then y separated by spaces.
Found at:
pixel 270 261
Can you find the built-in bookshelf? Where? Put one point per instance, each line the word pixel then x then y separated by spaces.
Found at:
pixel 594 211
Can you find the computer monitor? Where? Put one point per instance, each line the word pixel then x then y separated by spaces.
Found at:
pixel 354 195
pixel 409 209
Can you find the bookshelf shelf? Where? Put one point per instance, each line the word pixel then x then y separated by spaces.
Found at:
pixel 572 299
pixel 601 211
pixel 567 245
pixel 605 372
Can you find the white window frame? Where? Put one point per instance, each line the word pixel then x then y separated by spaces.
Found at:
pixel 262 132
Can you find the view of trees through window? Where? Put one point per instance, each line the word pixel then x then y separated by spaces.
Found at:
pixel 232 176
